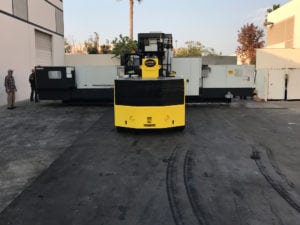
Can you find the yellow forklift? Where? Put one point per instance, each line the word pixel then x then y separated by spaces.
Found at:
pixel 149 96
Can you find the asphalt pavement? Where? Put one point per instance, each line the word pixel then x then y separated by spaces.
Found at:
pixel 234 164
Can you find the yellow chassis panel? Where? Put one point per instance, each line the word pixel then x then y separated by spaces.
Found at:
pixel 149 117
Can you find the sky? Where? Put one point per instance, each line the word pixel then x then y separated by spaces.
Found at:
pixel 214 23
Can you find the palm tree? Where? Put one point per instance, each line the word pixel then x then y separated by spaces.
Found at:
pixel 131 18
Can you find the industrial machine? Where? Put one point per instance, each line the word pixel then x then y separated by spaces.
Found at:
pixel 152 65
pixel 81 83
pixel 214 81
pixel 96 83
pixel 149 96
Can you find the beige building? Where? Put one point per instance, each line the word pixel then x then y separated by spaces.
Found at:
pixel 283 26
pixel 32 33
pixel 278 64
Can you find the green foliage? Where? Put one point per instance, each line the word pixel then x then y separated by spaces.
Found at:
pixel 68 47
pixel 194 49
pixel 123 45
pixel 92 44
pixel 274 7
pixel 105 49
pixel 250 38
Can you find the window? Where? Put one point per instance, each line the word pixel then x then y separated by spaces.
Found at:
pixel 59 19
pixel 20 9
pixel 54 75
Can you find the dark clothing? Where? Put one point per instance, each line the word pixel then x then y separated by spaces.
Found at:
pixel 32 80
pixel 33 93
pixel 9 83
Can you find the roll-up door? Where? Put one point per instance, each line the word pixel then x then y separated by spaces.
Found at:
pixel 43 49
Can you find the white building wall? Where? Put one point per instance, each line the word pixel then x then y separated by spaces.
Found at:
pixel 273 67
pixel 58 3
pixel 58 50
pixel 278 65
pixel 5 5
pixel 277 58
pixel 292 8
pixel 18 42
pixel 36 14
pixel 15 55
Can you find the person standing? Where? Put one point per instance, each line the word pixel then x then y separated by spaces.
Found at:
pixel 33 86
pixel 10 88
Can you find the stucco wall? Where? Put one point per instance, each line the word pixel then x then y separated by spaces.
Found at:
pixel 58 50
pixel 57 3
pixel 272 66
pixel 37 11
pixel 5 5
pixel 18 44
pixel 277 58
pixel 15 55
pixel 289 11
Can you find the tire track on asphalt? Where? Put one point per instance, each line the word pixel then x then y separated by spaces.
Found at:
pixel 288 195
pixel 172 190
pixel 269 168
pixel 248 136
pixel 182 200
pixel 191 192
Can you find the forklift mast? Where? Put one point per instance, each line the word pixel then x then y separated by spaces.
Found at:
pixel 151 46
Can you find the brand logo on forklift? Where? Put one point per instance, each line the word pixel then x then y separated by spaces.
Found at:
pixel 149 122
pixel 150 62
pixel 149 119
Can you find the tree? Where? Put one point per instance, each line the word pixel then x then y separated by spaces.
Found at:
pixel 105 48
pixel 131 3
pixel 123 45
pixel 68 47
pixel 250 38
pixel 92 44
pixel 194 49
